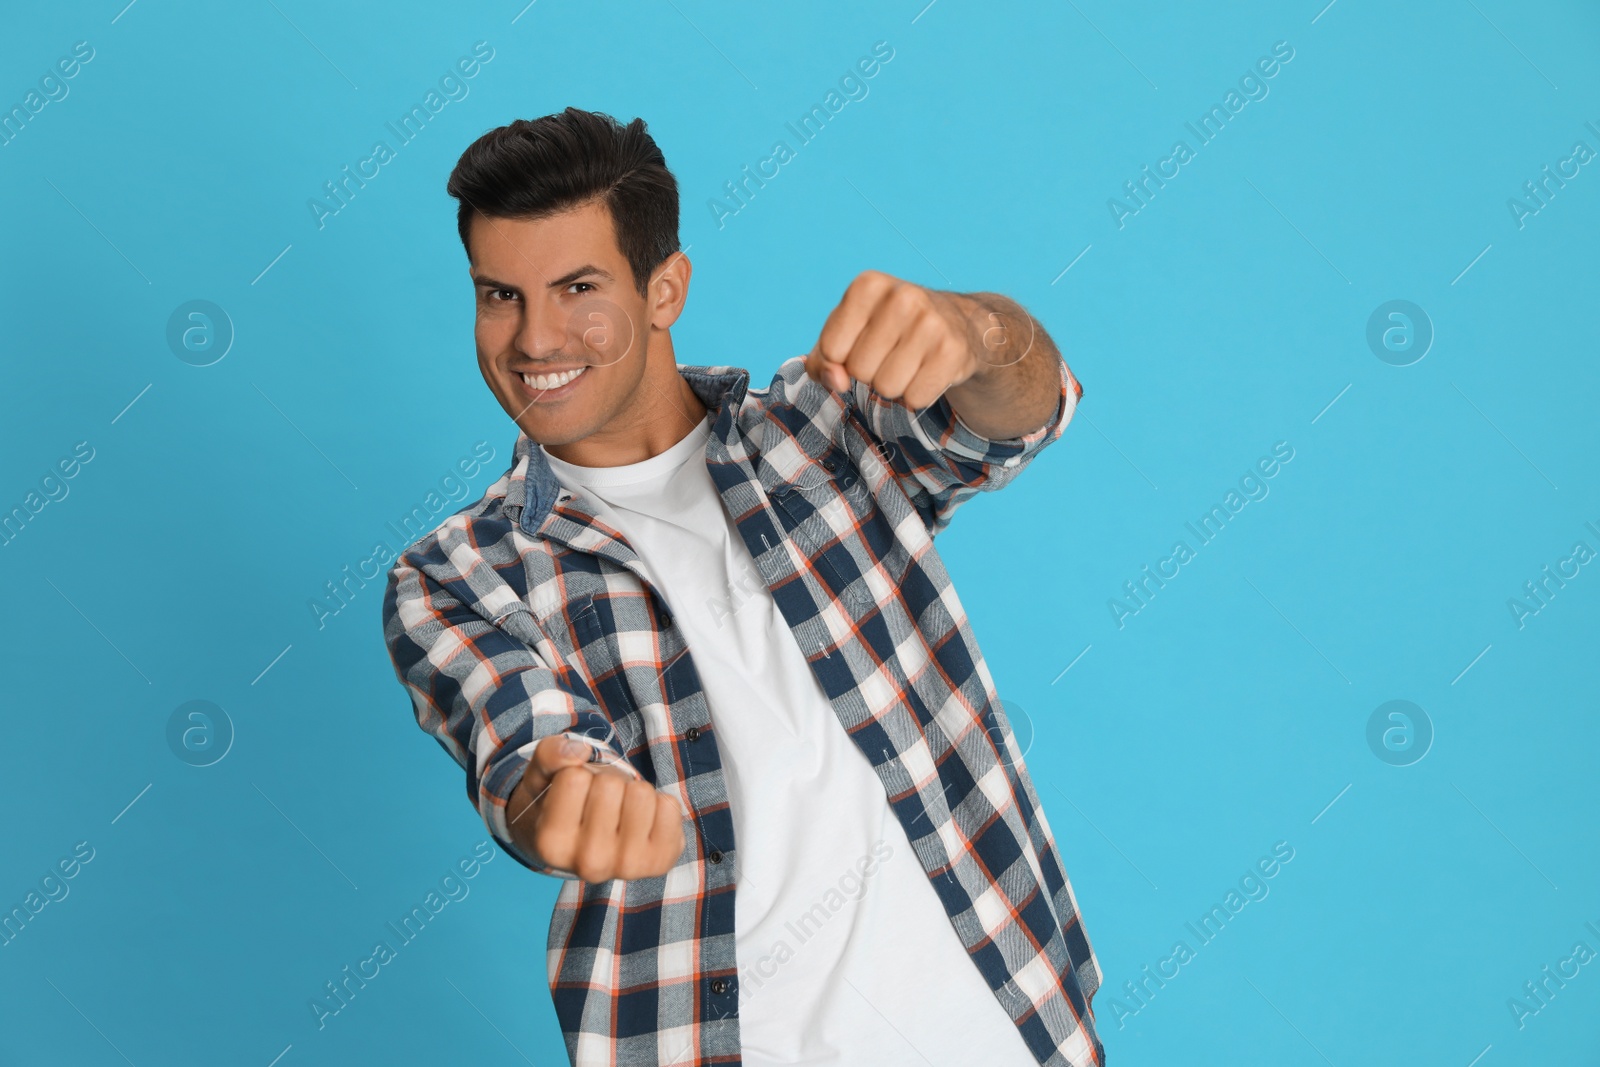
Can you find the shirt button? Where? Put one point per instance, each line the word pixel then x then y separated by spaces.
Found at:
pixel 715 857
pixel 719 986
pixel 1012 461
pixel 692 733
pixel 829 465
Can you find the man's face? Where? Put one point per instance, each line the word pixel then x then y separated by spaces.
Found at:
pixel 561 331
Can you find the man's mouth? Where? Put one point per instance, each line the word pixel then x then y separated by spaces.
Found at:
pixel 547 382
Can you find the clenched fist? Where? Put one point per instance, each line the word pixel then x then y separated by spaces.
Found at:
pixel 592 819
pixel 902 339
pixel 915 345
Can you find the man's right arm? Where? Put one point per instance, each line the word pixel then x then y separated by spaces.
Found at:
pixel 504 716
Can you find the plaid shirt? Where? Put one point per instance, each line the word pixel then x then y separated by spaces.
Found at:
pixel 524 615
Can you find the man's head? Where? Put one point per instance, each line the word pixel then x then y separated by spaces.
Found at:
pixel 570 223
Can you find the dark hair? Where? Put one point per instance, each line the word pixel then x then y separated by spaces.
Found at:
pixel 532 169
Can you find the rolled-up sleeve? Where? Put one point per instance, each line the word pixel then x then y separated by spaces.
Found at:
pixel 940 461
pixel 483 693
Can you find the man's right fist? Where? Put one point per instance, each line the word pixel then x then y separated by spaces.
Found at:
pixel 592 819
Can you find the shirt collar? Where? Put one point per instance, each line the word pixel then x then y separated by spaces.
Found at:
pixel 532 489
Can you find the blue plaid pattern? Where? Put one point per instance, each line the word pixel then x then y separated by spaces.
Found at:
pixel 524 615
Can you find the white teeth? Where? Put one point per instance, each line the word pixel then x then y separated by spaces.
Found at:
pixel 552 381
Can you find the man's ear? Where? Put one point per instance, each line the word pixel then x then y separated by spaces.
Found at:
pixel 669 290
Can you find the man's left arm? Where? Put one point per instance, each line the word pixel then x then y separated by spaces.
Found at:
pixel 962 388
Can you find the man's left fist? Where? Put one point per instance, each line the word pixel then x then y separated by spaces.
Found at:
pixel 901 339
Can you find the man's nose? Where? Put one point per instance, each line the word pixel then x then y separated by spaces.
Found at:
pixel 543 331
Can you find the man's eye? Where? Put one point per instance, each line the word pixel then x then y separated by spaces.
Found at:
pixel 585 286
pixel 495 294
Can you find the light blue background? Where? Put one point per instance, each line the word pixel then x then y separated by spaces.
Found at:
pixel 1224 317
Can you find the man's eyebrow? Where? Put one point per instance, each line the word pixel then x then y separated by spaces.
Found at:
pixel 565 280
pixel 573 275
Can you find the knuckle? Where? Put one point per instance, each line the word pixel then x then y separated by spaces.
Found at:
pixel 909 298
pixel 554 844
pixel 636 864
pixel 932 326
pixel 868 288
pixel 604 786
pixel 596 860
pixel 570 783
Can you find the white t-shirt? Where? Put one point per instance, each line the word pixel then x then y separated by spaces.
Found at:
pixel 844 950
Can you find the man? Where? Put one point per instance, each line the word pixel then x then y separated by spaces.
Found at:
pixel 699 657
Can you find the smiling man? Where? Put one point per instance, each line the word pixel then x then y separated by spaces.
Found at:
pixel 699 657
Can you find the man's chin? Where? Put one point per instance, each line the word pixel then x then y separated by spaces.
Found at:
pixel 554 432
